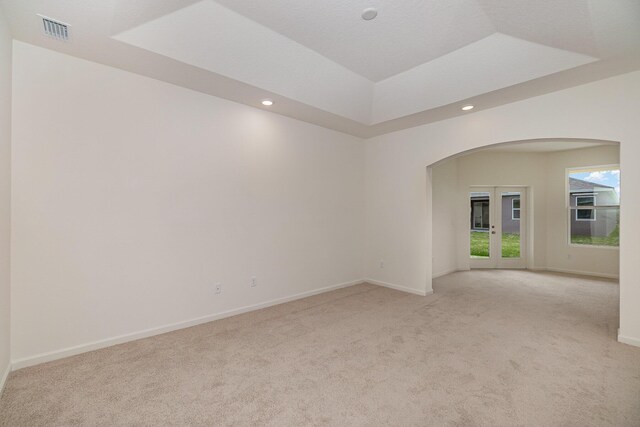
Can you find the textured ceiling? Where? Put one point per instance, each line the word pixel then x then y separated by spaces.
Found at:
pixel 400 38
pixel 417 62
pixel 227 42
pixel 218 39
pixel 408 33
pixel 564 24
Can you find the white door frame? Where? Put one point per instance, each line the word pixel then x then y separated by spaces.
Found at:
pixel 495 259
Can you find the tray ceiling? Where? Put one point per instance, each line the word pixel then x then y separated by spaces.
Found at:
pixel 417 62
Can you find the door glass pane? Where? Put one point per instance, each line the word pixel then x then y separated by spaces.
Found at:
pixel 479 224
pixel 510 227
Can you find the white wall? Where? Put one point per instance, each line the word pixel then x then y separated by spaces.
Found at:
pixel 445 213
pixel 544 175
pixel 574 258
pixel 398 212
pixel 5 195
pixel 133 197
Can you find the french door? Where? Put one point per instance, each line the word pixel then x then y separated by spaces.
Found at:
pixel 497 227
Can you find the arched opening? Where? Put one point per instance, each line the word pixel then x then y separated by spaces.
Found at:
pixel 539 205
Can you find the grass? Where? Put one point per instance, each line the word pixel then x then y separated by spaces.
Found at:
pixel 480 244
pixel 511 243
pixel 612 239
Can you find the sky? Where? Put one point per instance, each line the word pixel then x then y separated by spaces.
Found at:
pixel 610 178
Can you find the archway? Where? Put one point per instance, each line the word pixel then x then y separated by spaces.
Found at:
pixel 439 241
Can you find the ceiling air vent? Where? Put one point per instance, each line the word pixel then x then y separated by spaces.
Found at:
pixel 55 29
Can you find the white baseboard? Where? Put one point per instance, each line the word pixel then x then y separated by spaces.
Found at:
pixel 628 340
pixel 444 273
pixel 577 272
pixel 5 375
pixel 399 288
pixel 96 345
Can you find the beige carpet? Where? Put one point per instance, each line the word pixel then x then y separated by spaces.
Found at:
pixel 488 348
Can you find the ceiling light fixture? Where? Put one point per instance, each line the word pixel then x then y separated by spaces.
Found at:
pixel 467 108
pixel 267 102
pixel 369 13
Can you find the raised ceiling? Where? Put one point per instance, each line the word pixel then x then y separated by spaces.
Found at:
pixel 402 34
pixel 417 62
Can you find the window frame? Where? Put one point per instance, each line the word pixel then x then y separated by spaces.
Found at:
pixel 568 207
pixel 590 207
pixel 513 218
pixel 482 204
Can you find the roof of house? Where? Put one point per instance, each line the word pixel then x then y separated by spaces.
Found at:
pixel 579 185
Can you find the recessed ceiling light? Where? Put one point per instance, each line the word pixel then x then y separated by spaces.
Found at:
pixel 369 13
pixel 267 102
pixel 467 108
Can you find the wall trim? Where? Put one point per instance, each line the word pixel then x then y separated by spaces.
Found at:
pixel 398 287
pixel 3 380
pixel 577 272
pixel 444 273
pixel 628 340
pixel 120 339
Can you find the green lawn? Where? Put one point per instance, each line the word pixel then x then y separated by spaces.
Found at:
pixel 480 244
pixel 511 243
pixel 612 239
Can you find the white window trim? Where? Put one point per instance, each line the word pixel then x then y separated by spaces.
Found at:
pixel 514 209
pixel 568 172
pixel 594 197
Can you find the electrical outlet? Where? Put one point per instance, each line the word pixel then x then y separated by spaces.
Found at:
pixel 218 288
pixel 254 282
pixel 569 256
pixel 381 264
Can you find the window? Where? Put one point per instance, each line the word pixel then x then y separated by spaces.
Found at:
pixel 593 203
pixel 515 209
pixel 585 214
pixel 479 210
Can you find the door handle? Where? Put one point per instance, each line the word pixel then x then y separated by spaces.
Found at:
pixel 493 232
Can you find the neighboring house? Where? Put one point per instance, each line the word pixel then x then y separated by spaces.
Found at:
pixel 479 211
pixel 589 222
pixel 510 212
pixel 584 222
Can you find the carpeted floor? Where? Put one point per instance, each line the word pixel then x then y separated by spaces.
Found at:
pixel 494 348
